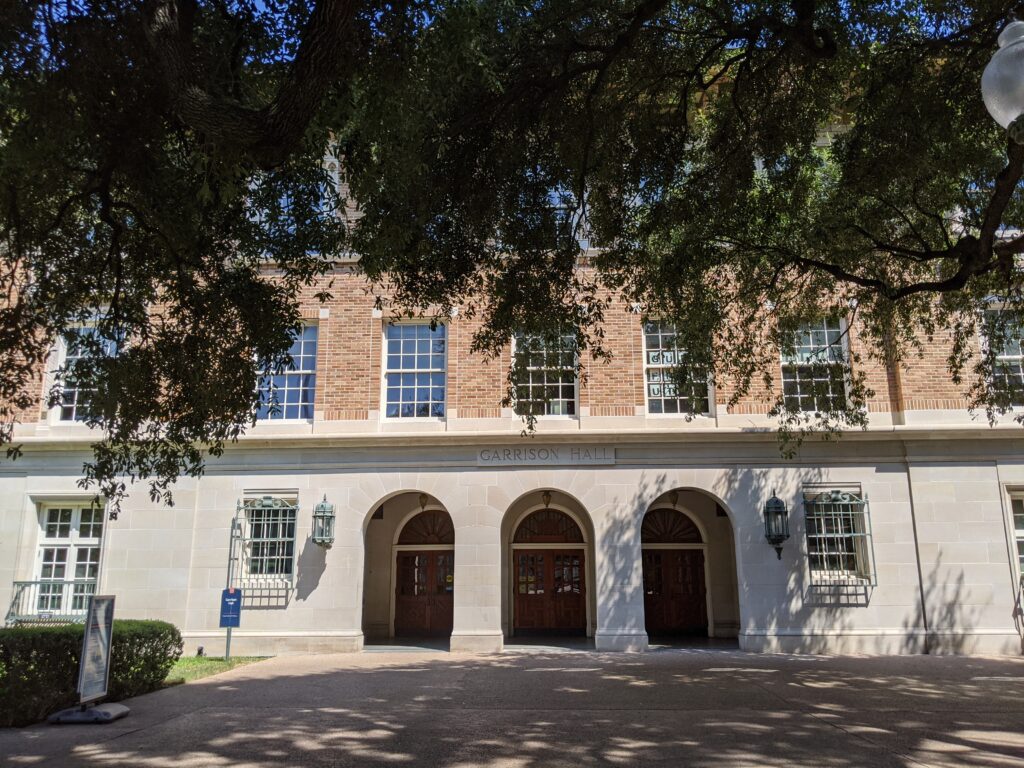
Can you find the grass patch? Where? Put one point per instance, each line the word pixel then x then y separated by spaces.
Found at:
pixel 187 669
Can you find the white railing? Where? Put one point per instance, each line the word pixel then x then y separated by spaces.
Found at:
pixel 50 602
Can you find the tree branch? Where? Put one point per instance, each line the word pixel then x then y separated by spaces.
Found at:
pixel 270 132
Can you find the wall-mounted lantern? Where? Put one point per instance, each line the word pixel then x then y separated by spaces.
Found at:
pixel 323 524
pixel 776 523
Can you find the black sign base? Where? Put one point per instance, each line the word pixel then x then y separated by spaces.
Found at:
pixel 101 713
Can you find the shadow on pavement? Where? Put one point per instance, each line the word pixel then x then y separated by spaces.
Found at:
pixel 540 709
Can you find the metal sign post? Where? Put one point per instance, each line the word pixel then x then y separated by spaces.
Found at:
pixel 230 614
pixel 94 667
pixel 230 597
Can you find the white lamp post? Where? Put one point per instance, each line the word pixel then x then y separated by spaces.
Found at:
pixel 1002 82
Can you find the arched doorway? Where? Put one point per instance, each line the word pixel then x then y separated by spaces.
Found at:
pixel 424 573
pixel 675 574
pixel 549 584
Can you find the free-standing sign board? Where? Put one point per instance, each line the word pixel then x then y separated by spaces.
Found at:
pixel 94 668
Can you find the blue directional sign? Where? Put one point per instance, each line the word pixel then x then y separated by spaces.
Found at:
pixel 230 607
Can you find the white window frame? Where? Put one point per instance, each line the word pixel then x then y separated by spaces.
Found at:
pixel 1016 529
pixel 244 576
pixel 985 344
pixel 60 359
pixel 844 338
pixel 575 386
pixel 282 419
pixel 860 538
pixel 428 371
pixel 73 543
pixel 665 367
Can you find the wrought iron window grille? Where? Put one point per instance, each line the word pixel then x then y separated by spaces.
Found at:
pixel 261 560
pixel 840 547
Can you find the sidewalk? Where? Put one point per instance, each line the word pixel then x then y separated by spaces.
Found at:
pixel 544 709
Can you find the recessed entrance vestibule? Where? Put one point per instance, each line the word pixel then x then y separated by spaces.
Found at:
pixel 547 576
pixel 425 576
pixel 675 587
pixel 689 569
pixel 549 566
pixel 409 570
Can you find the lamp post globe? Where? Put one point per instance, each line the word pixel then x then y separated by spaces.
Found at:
pixel 1002 82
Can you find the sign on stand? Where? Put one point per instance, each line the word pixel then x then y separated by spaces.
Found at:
pixel 94 667
pixel 230 614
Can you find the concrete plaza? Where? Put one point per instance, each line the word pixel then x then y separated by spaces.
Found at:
pixel 540 708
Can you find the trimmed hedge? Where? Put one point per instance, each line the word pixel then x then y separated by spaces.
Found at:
pixel 39 665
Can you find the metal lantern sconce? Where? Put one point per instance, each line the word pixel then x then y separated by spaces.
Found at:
pixel 323 524
pixel 776 523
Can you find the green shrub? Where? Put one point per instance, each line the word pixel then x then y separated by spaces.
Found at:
pixel 39 665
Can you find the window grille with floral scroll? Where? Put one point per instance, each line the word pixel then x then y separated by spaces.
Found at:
pixel 839 542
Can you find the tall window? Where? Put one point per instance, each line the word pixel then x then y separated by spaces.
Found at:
pixel 265 531
pixel 814 373
pixel 80 344
pixel 415 377
pixel 672 385
pixel 69 558
pixel 839 543
pixel 290 394
pixel 1008 372
pixel 1017 506
pixel 549 367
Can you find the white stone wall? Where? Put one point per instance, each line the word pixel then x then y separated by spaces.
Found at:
pixel 939 513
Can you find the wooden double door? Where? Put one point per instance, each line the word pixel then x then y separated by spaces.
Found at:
pixel 675 595
pixel 424 593
pixel 550 595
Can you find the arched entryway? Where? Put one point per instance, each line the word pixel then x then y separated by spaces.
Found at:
pixel 689 567
pixel 408 569
pixel 424 568
pixel 675 574
pixel 549 574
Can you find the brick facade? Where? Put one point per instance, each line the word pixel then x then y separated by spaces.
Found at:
pixel 349 366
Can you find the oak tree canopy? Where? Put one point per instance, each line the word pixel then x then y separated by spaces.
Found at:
pixel 737 168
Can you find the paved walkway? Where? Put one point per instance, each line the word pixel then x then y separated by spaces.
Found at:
pixel 540 708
